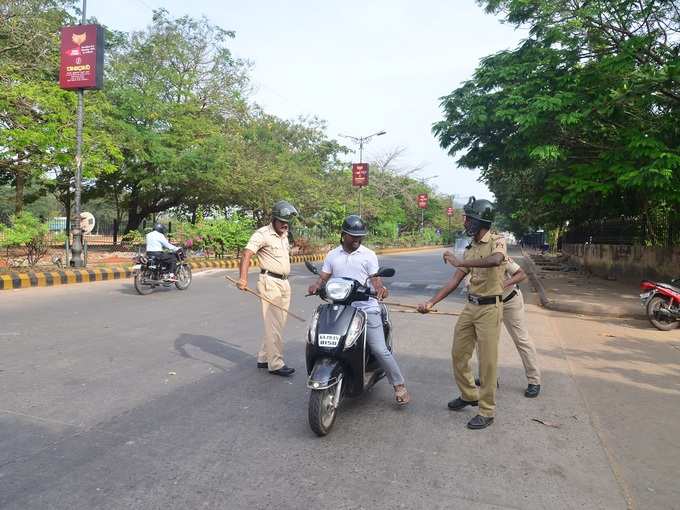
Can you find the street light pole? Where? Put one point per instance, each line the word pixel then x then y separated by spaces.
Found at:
pixel 361 140
pixel 77 247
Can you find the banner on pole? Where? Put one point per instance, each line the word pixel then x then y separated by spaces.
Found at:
pixel 359 174
pixel 82 57
pixel 449 211
pixel 422 200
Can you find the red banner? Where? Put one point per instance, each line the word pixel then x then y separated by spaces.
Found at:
pixel 359 174
pixel 422 200
pixel 449 211
pixel 82 57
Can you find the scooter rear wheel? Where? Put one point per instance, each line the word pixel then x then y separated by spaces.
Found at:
pixel 654 304
pixel 321 411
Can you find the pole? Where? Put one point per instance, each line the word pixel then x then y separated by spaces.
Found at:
pixel 361 160
pixel 77 247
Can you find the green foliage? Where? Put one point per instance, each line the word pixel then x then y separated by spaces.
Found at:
pixel 132 239
pixel 218 236
pixel 580 121
pixel 26 232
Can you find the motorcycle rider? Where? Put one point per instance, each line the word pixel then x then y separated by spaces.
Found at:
pixel 155 242
pixel 352 260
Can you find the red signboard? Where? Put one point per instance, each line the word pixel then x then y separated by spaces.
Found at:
pixel 359 174
pixel 449 211
pixel 422 200
pixel 82 57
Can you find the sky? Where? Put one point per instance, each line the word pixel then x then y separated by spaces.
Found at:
pixel 361 66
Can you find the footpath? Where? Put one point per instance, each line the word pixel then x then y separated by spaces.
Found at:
pixel 15 280
pixel 564 287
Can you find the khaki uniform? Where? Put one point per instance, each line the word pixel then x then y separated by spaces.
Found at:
pixel 515 322
pixel 273 254
pixel 480 325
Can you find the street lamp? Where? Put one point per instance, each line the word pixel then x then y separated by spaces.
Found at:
pixel 361 140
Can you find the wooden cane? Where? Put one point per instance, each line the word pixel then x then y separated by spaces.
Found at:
pixel 247 289
pixel 434 312
pixel 413 307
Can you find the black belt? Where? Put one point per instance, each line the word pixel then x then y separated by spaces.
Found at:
pixel 483 300
pixel 510 296
pixel 275 275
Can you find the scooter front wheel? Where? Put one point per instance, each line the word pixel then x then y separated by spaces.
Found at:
pixel 322 411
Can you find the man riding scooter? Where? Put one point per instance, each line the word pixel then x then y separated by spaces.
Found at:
pixel 354 261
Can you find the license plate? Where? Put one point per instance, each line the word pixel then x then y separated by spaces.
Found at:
pixel 136 267
pixel 329 340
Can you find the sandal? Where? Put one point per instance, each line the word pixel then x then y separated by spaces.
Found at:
pixel 401 395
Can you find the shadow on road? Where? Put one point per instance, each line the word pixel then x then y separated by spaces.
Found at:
pixel 215 347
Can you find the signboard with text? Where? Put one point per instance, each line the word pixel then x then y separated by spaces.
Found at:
pixel 359 174
pixel 422 200
pixel 449 211
pixel 82 57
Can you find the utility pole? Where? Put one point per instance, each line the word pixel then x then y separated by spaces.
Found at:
pixel 77 247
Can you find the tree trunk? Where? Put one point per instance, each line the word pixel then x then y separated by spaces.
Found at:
pixel 19 196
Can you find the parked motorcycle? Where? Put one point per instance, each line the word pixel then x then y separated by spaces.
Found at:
pixel 151 273
pixel 339 363
pixel 662 302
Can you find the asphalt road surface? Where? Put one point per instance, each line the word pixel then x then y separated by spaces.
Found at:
pixel 111 400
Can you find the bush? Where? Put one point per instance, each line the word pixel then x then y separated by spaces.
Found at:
pixel 220 236
pixel 28 233
pixel 132 239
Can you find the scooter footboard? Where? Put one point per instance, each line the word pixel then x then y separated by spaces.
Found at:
pixel 325 373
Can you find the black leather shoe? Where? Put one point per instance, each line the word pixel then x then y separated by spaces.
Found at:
pixel 262 365
pixel 532 391
pixel 478 384
pixel 284 371
pixel 458 404
pixel 480 422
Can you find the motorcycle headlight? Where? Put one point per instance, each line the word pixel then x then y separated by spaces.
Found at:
pixel 338 290
pixel 311 332
pixel 355 329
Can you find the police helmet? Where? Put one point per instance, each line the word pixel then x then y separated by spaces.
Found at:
pixel 284 211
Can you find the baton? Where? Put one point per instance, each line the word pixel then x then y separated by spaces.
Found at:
pixel 247 289
pixel 433 312
pixel 413 307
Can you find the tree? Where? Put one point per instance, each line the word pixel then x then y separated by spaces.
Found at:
pixel 581 120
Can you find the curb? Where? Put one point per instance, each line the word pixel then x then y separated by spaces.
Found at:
pixel 560 306
pixel 13 281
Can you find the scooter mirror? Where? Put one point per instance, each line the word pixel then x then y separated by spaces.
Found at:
pixel 385 272
pixel 311 267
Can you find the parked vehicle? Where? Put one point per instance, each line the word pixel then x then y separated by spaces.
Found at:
pixel 339 363
pixel 662 302
pixel 150 273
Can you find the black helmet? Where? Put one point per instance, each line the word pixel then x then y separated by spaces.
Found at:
pixel 284 211
pixel 159 227
pixel 482 210
pixel 354 226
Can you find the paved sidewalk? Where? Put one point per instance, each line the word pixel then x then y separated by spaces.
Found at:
pixel 565 288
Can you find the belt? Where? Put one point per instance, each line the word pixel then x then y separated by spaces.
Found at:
pixel 510 296
pixel 483 300
pixel 274 275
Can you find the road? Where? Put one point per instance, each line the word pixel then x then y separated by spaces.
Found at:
pixel 114 401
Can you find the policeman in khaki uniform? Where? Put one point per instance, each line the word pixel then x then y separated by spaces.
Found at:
pixel 480 322
pixel 515 322
pixel 270 244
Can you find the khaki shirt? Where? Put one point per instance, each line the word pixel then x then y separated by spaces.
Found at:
pixel 272 250
pixel 485 281
pixel 511 267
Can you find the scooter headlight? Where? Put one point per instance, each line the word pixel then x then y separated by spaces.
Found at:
pixel 337 289
pixel 311 332
pixel 355 329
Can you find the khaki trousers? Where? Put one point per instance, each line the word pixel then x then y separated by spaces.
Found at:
pixel 478 325
pixel 277 291
pixel 516 324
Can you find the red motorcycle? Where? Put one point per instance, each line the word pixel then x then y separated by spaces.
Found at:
pixel 662 302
